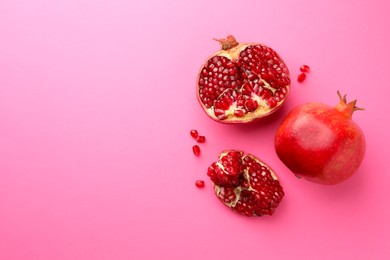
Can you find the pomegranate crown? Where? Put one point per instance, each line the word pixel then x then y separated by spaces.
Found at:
pixel 228 43
pixel 345 107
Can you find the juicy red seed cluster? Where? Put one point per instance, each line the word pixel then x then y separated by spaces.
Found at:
pixel 217 75
pixel 230 174
pixel 268 189
pixel 252 204
pixel 245 185
pixel 227 195
pixel 232 163
pixel 221 178
pixel 264 61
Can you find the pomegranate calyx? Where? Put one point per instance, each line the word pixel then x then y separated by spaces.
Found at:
pixel 347 108
pixel 228 43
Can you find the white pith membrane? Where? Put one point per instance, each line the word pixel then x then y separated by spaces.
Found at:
pixel 266 96
pixel 220 191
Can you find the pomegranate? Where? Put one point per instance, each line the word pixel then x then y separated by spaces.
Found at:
pixel 245 184
pixel 242 82
pixel 321 143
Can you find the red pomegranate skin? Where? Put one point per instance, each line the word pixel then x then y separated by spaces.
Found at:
pixel 321 143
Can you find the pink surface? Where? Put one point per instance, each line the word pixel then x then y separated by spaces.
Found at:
pixel 97 99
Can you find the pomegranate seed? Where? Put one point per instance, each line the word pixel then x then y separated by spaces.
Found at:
pixel 199 183
pixel 272 102
pixel 196 150
pixel 201 139
pixel 239 113
pixel 304 68
pixel 251 105
pixel 194 133
pixel 301 77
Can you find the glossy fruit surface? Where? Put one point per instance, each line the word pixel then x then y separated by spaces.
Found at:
pixel 245 184
pixel 321 143
pixel 242 82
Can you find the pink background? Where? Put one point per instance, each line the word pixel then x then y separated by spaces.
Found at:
pixel 97 99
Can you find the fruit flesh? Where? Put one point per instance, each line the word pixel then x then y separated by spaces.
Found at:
pixel 242 82
pixel 321 143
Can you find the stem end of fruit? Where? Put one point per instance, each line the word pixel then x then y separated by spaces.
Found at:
pixel 228 43
pixel 347 108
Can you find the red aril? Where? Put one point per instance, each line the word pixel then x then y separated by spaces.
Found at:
pixel 201 139
pixel 199 183
pixel 304 68
pixel 196 150
pixel 301 77
pixel 245 184
pixel 194 133
pixel 321 143
pixel 242 82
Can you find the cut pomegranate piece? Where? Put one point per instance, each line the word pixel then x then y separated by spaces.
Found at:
pixel 245 184
pixel 242 82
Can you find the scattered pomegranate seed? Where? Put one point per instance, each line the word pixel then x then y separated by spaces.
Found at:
pixel 305 68
pixel 199 183
pixel 201 139
pixel 301 77
pixel 194 133
pixel 196 150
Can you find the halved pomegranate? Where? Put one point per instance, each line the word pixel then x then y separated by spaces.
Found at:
pixel 245 184
pixel 242 82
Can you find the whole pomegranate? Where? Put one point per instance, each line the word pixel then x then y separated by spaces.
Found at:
pixel 242 82
pixel 321 143
pixel 245 184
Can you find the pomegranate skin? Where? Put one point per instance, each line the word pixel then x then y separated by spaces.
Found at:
pixel 321 143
